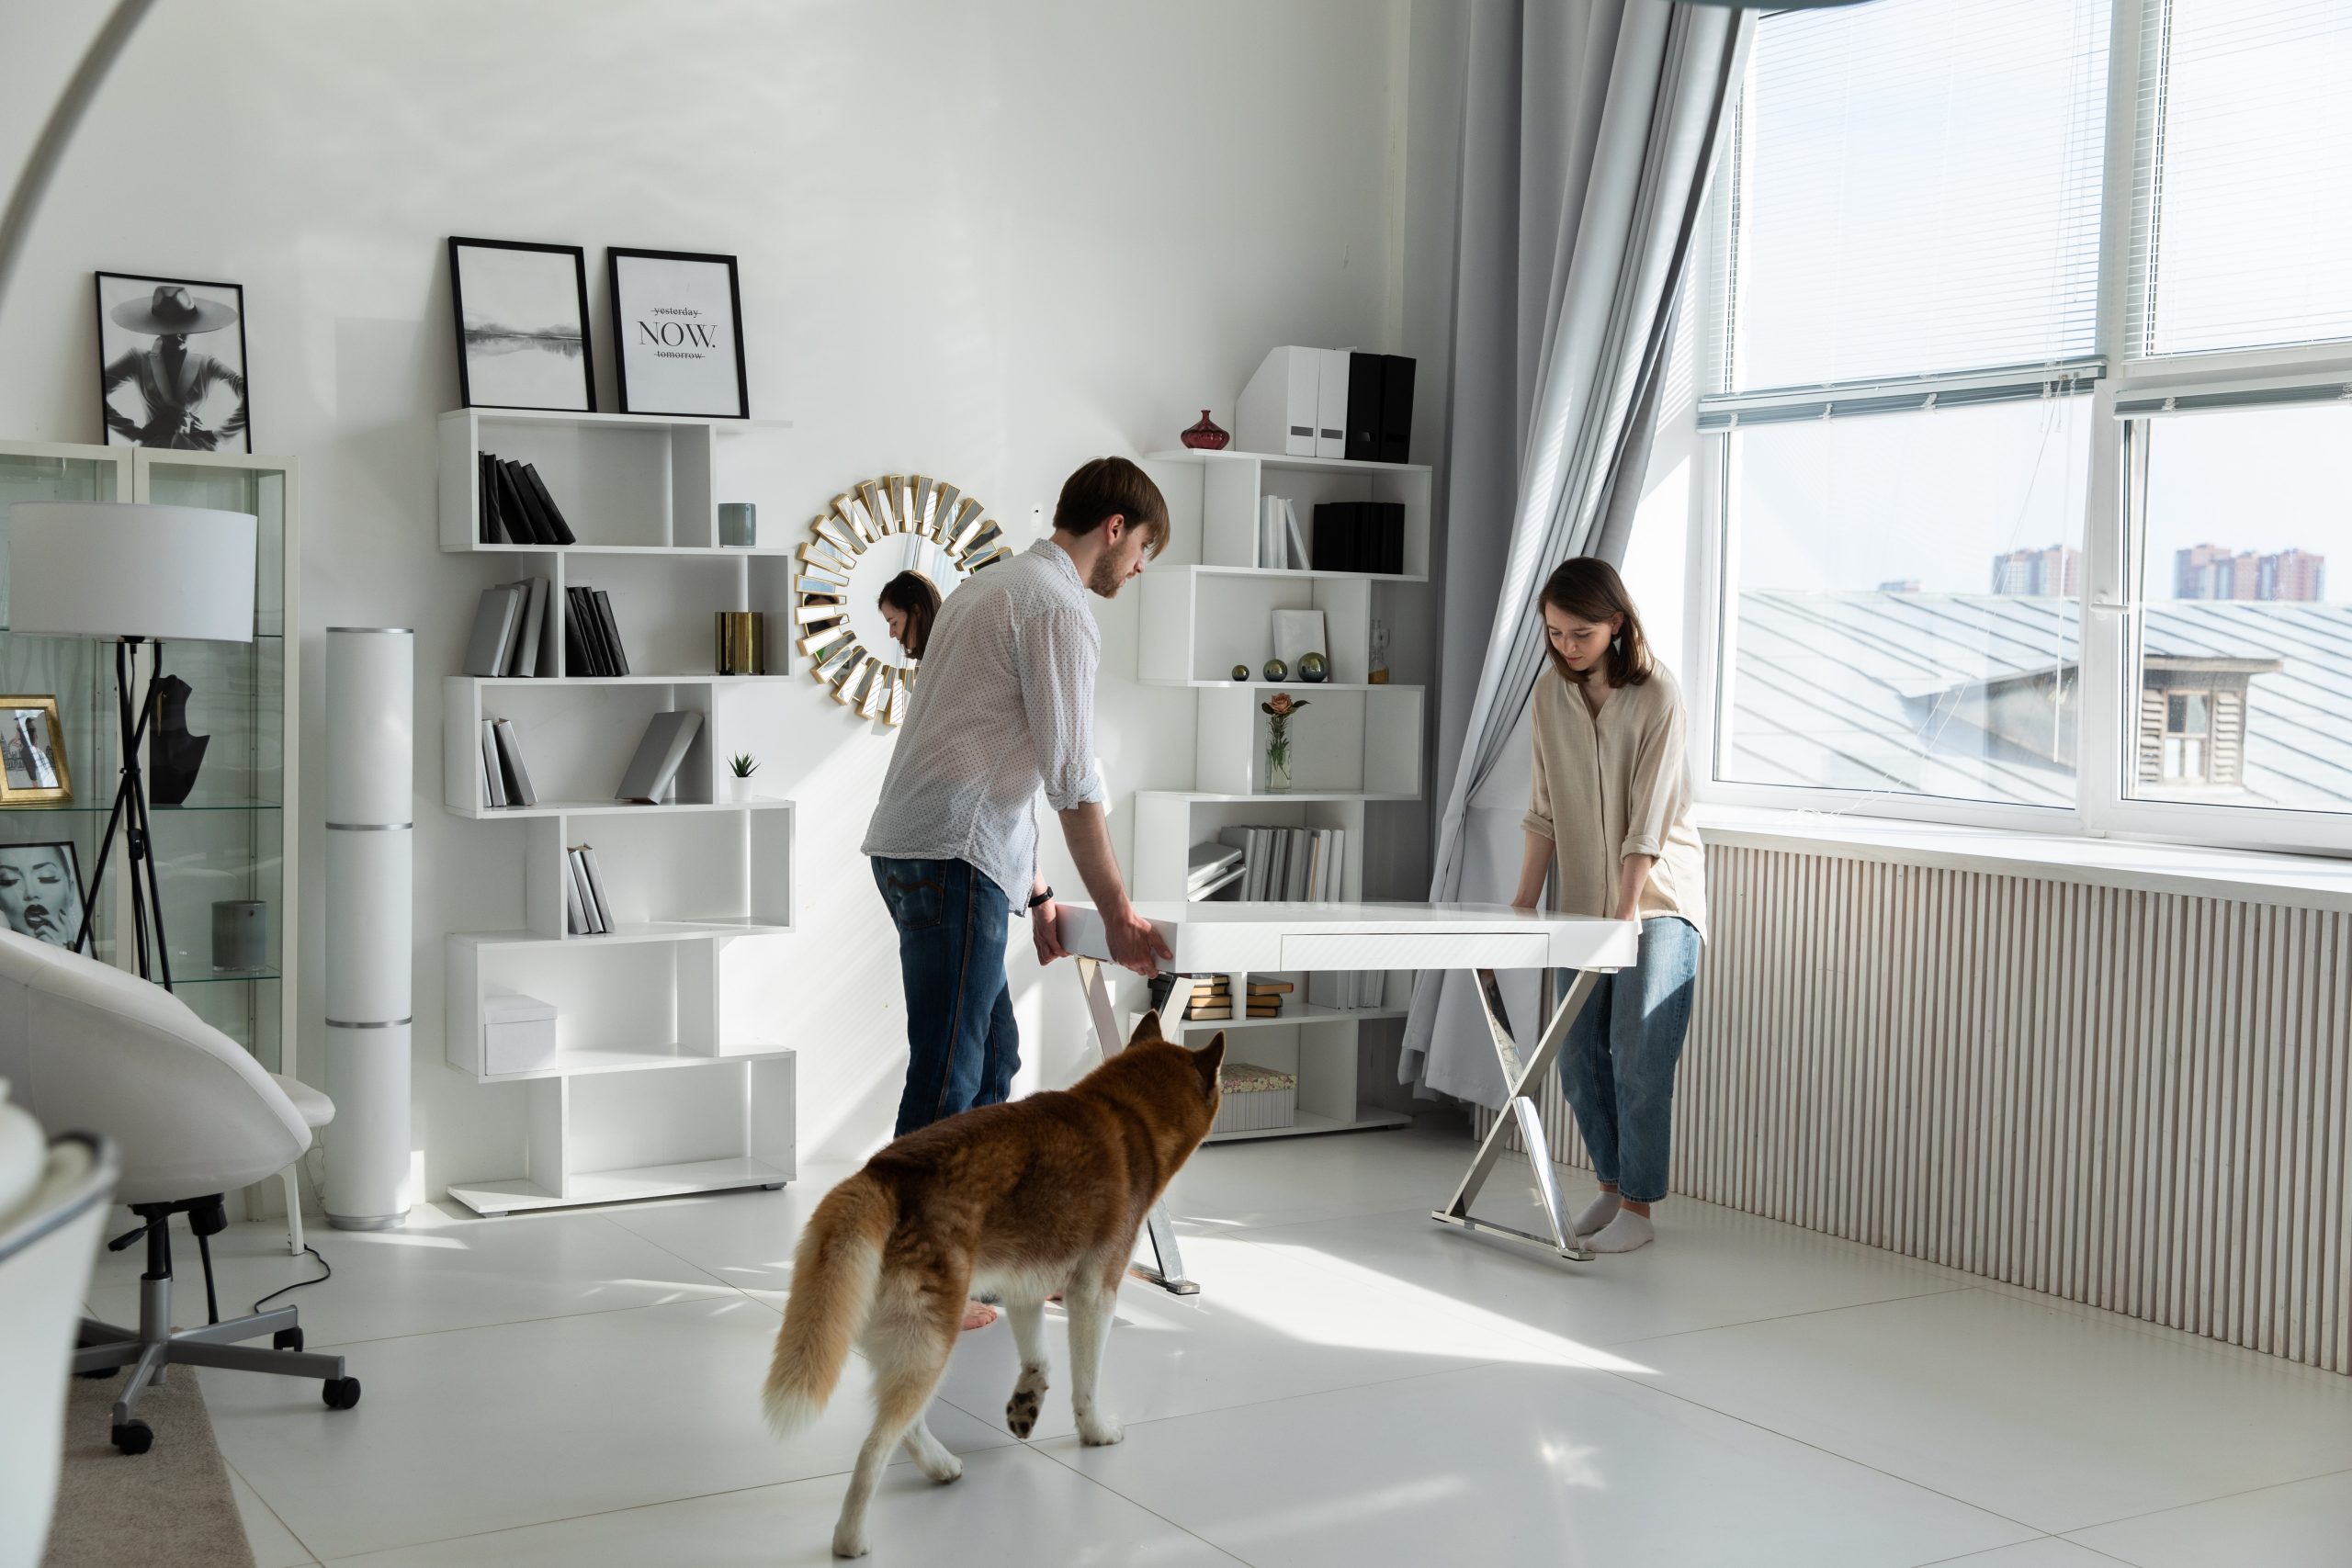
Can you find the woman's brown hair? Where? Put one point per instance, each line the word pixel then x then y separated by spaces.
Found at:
pixel 912 596
pixel 1589 589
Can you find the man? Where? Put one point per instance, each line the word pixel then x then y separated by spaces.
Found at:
pixel 1003 707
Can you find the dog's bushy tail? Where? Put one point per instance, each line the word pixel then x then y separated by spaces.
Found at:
pixel 834 1274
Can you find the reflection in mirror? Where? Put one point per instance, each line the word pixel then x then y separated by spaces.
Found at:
pixel 871 537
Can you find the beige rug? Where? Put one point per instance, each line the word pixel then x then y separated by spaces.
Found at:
pixel 169 1507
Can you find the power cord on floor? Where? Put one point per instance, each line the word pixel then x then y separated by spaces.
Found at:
pixel 299 1284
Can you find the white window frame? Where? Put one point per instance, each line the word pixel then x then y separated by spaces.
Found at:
pixel 2110 601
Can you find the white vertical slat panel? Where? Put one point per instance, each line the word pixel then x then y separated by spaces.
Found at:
pixel 2132 1100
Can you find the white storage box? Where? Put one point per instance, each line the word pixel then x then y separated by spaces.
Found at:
pixel 517 1033
pixel 1255 1099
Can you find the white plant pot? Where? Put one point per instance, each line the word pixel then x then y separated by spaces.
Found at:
pixel 740 790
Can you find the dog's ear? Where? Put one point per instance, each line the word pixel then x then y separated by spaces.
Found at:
pixel 1206 1061
pixel 1147 1028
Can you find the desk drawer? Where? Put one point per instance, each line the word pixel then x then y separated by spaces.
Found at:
pixel 1413 949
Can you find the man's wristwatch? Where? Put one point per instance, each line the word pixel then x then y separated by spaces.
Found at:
pixel 1038 898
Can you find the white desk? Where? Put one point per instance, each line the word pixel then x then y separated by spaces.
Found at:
pixel 1213 939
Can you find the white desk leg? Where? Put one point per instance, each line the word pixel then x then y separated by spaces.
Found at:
pixel 1170 1274
pixel 1520 1078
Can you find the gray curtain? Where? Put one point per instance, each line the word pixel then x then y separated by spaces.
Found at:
pixel 1589 129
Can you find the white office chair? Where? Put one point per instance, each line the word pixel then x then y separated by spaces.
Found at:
pixel 85 1044
pixel 47 1242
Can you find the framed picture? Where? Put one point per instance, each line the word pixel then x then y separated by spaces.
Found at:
pixel 678 318
pixel 1298 633
pixel 41 892
pixel 522 313
pixel 32 753
pixel 172 362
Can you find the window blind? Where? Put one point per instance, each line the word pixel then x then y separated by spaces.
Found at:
pixel 2243 237
pixel 1915 190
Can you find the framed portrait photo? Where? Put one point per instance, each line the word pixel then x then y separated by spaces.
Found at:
pixel 172 362
pixel 32 753
pixel 678 318
pixel 522 313
pixel 41 892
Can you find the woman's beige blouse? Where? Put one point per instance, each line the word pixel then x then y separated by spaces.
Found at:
pixel 1613 785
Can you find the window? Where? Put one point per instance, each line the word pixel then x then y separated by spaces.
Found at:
pixel 2029 484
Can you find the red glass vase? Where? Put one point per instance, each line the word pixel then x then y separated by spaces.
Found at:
pixel 1205 436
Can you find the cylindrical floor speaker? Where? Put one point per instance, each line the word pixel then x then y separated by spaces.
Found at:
pixel 372 742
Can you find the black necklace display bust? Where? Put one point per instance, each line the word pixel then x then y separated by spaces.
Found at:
pixel 174 755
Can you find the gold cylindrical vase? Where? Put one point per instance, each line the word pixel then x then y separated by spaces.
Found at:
pixel 742 644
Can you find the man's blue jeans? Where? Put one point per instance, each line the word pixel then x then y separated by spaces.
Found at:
pixel 962 1046
pixel 1617 1068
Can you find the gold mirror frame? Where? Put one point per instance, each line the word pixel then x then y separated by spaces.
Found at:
pixel 876 684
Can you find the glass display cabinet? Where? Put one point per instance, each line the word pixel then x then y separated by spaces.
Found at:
pixel 219 758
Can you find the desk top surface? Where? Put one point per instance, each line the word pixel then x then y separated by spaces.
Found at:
pixel 1268 936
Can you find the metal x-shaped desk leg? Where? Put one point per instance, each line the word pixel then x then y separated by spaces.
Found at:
pixel 1169 1273
pixel 1520 1078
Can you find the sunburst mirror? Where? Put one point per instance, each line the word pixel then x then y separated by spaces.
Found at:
pixel 872 532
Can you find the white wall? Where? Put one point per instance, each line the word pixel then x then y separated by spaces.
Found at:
pixel 985 242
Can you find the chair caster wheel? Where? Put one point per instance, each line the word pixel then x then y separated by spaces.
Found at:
pixel 341 1393
pixel 134 1436
pixel 285 1339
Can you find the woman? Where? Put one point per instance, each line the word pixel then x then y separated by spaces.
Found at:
pixel 1611 824
pixel 909 604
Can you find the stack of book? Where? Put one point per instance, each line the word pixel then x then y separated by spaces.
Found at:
pixel 1212 998
pixel 509 624
pixel 504 780
pixel 516 508
pixel 1289 864
pixel 1266 997
pixel 1361 536
pixel 586 911
pixel 592 639
pixel 1215 868
pixel 1281 543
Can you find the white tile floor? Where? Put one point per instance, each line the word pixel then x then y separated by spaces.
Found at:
pixel 1354 1386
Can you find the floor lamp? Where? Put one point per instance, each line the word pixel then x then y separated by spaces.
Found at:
pixel 133 575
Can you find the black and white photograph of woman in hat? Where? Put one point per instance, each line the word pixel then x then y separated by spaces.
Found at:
pixel 173 353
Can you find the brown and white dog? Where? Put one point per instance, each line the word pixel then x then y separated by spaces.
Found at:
pixel 1019 1199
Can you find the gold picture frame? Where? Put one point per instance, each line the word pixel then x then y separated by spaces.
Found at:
pixel 32 753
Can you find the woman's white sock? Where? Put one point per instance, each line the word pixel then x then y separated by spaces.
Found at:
pixel 1597 1213
pixel 1623 1234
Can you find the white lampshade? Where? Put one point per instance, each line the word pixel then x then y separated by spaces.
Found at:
pixel 110 569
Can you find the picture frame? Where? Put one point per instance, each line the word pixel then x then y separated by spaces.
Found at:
pixel 41 892
pixel 33 769
pixel 1298 633
pixel 172 364
pixel 521 314
pixel 678 333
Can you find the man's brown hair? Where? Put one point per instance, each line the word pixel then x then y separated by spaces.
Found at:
pixel 1107 488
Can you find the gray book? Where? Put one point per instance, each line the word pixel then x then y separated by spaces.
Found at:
pixel 666 741
pixel 494 621
pixel 510 753
pixel 535 616
pixel 575 914
pixel 576 857
pixel 493 775
pixel 596 887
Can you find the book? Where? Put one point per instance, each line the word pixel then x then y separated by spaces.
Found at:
pixel 494 619
pixel 1365 411
pixel 581 622
pixel 1338 533
pixel 1384 526
pixel 534 626
pixel 1270 987
pixel 492 528
pixel 559 530
pixel 523 520
pixel 618 652
pixel 494 774
pixel 1270 531
pixel 1210 1014
pixel 1211 860
pixel 510 754
pixel 1395 409
pixel 596 899
pixel 481 776
pixel 575 913
pixel 655 766
pixel 575 861
pixel 1304 562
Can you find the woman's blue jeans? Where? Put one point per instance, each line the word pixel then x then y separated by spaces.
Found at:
pixel 1617 1068
pixel 962 1046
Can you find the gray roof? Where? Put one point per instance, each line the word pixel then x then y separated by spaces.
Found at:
pixel 1856 691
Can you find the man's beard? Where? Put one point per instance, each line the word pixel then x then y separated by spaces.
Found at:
pixel 1106 578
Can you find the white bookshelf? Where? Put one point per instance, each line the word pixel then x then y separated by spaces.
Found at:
pixel 652 1090
pixel 1207 607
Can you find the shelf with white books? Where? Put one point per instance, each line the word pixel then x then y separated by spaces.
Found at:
pixel 658 1073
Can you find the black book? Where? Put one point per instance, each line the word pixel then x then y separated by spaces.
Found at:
pixel 521 526
pixel 1395 410
pixel 560 531
pixel 487 480
pixel 1338 535
pixel 1385 536
pixel 542 523
pixel 612 634
pixel 577 660
pixel 1363 407
pixel 581 613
